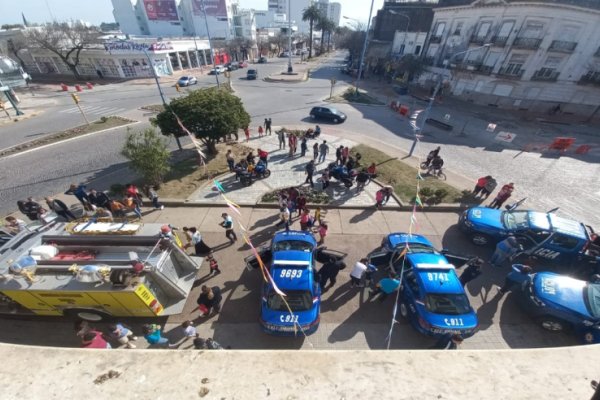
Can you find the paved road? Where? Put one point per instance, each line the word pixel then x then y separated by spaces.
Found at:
pixel 548 181
pixel 349 320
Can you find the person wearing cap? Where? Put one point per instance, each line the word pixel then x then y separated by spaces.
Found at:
pixel 448 342
pixel 505 250
pixel 520 273
pixel 502 195
pixel 472 271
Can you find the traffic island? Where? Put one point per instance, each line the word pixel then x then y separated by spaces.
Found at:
pixel 351 96
pixel 301 74
pixel 103 124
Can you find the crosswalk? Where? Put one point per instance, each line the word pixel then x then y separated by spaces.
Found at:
pixel 95 110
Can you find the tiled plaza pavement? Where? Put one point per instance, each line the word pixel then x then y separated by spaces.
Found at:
pixel 285 172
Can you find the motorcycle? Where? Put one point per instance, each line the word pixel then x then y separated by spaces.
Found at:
pixel 341 173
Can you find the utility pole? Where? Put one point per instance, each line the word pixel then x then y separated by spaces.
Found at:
pixel 212 54
pixel 290 68
pixel 77 100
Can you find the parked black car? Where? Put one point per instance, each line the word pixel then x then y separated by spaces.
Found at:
pixel 328 113
pixel 232 66
pixel 262 60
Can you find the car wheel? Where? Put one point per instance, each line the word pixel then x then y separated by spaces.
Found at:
pixel 552 324
pixel 312 116
pixel 403 310
pixel 480 239
pixel 87 314
pixel 335 120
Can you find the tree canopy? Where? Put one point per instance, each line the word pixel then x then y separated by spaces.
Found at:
pixel 148 154
pixel 313 15
pixel 66 40
pixel 210 114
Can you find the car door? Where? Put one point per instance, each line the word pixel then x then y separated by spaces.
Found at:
pixel 410 292
pixel 326 113
pixel 380 259
pixel 323 255
pixel 265 254
pixel 559 248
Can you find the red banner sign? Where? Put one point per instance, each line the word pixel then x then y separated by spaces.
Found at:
pixel 214 8
pixel 161 10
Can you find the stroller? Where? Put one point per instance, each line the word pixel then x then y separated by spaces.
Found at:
pixel 341 173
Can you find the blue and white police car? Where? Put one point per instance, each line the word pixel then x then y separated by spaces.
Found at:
pixel 542 235
pixel 559 302
pixel 291 262
pixel 432 297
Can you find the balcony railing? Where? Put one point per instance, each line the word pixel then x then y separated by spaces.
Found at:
pixel 527 43
pixel 477 40
pixel 545 76
pixel 593 79
pixel 562 46
pixel 511 73
pixel 485 69
pixel 499 41
pixel 435 39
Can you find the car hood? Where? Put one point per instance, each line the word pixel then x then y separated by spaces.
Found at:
pixel 486 216
pixel 462 322
pixel 561 290
pixel 304 317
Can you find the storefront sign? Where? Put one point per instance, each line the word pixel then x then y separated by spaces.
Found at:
pixel 128 46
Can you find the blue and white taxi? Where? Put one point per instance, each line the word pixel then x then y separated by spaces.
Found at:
pixel 291 260
pixel 431 295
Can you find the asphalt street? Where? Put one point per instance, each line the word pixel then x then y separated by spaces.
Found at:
pixel 547 180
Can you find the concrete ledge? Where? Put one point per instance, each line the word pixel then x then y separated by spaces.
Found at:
pixel 47 373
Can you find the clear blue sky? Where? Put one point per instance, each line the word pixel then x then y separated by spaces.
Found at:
pixel 96 11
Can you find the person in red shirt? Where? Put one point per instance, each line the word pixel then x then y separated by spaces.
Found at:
pixel 94 340
pixel 480 185
pixel 263 156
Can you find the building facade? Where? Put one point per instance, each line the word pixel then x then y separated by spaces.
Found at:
pixel 295 11
pixel 176 18
pixel 519 54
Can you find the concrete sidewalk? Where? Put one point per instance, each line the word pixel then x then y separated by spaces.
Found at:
pixel 286 172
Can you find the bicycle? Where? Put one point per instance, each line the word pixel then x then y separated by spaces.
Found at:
pixel 438 173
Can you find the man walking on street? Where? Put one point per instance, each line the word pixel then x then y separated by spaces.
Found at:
pixel 228 225
pixel 281 137
pixel 267 125
pixel 323 150
pixel 329 271
pixel 310 170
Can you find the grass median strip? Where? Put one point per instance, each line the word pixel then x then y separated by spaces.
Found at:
pixel 95 126
pixel 186 175
pixel 350 96
pixel 402 177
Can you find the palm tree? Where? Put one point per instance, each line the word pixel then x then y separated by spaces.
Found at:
pixel 328 26
pixel 311 14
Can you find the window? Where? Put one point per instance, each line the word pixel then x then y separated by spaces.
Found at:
pixel 299 245
pixel 533 29
pixel 516 220
pixel 298 300
pixel 402 49
pixel 506 29
pixel 450 304
pixel 546 73
pixel 417 50
pixel 484 29
pixel 439 29
pixel 553 62
pixel 458 28
pixel 411 280
pixel 563 241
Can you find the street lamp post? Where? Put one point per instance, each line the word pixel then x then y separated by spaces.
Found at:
pixel 212 56
pixel 364 49
pixel 435 91
pixel 290 69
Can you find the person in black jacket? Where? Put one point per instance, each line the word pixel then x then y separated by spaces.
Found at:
pixel 31 209
pixel 60 208
pixel 210 298
pixel 448 342
pixel 472 271
pixel 329 271
pixel 99 199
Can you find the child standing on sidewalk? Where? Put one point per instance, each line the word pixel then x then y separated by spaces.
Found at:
pixel 322 233
pixel 214 266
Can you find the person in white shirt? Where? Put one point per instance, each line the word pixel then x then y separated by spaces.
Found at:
pixel 357 272
pixel 199 245
pixel 189 331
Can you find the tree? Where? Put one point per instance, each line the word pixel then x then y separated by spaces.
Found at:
pixel 148 154
pixel 411 65
pixel 209 114
pixel 65 40
pixel 326 26
pixel 15 46
pixel 311 14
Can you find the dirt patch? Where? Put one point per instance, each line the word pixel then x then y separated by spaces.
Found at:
pixel 156 108
pixel 350 96
pixel 312 196
pixel 187 175
pixel 95 126
pixel 402 177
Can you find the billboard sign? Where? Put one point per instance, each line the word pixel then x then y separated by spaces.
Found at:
pixel 161 10
pixel 214 8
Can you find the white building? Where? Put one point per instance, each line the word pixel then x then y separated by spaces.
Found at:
pixel 333 11
pixel 269 19
pixel 175 18
pixel 540 54
pixel 245 24
pixel 408 43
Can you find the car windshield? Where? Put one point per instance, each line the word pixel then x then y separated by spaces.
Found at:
pixel 298 300
pixel 447 303
pixel 591 296
pixel 417 248
pixel 292 245
pixel 515 219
